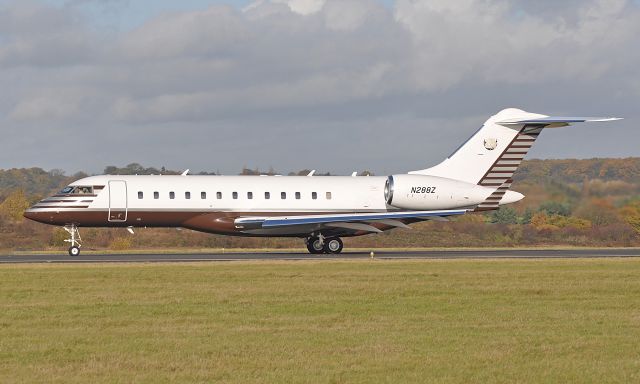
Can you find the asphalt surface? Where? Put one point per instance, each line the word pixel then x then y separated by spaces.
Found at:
pixel 386 255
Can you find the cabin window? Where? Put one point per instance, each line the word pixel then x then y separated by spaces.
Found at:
pixel 218 195
pixel 187 195
pixel 328 195
pixel 297 195
pixel 140 195
pixel 203 195
pixel 314 195
pixel 156 195
pixel 249 195
pixel 172 195
pixel 235 195
pixel 267 195
pixel 283 195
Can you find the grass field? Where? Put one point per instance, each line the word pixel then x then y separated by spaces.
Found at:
pixel 377 321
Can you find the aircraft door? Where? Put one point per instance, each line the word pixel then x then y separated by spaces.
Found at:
pixel 117 201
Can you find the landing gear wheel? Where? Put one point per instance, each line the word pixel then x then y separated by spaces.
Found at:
pixel 333 245
pixel 314 245
pixel 75 241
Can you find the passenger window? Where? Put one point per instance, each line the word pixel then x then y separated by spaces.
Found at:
pixel 249 195
pixel 235 195
pixel 156 195
pixel 328 195
pixel 283 195
pixel 267 195
pixel 187 195
pixel 140 195
pixel 297 195
pixel 218 195
pixel 172 195
pixel 314 195
pixel 203 195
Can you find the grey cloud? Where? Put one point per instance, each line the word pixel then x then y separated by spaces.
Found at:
pixel 309 83
pixel 36 35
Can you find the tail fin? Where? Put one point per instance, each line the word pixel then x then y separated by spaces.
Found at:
pixel 492 155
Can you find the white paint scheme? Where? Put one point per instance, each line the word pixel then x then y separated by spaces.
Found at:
pixel 476 177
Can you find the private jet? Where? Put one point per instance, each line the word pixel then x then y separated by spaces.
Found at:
pixel 321 210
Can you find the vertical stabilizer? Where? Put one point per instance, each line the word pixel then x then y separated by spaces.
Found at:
pixel 493 153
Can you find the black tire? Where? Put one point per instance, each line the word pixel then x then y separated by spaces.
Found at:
pixel 313 246
pixel 333 245
pixel 74 251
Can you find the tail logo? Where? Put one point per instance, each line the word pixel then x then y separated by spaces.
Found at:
pixel 490 144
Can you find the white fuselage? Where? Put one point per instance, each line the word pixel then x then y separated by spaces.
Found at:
pixel 212 203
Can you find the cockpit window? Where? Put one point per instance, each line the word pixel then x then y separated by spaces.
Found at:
pixel 79 190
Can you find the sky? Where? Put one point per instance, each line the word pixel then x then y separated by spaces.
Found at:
pixel 333 85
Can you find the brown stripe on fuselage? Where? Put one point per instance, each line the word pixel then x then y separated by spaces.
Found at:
pixel 204 221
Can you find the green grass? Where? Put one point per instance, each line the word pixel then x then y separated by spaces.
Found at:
pixel 330 322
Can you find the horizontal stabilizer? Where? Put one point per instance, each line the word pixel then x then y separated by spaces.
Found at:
pixel 556 120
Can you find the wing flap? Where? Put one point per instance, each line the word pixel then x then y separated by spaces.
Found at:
pixel 355 227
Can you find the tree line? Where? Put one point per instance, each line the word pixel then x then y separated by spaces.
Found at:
pixel 598 206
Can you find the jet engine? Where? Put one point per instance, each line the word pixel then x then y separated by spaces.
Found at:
pixel 421 192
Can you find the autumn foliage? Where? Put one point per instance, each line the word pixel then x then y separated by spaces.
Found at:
pixel 593 202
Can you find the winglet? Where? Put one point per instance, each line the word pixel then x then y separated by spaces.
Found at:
pixel 185 172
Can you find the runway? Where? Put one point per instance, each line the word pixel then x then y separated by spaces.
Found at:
pixel 384 255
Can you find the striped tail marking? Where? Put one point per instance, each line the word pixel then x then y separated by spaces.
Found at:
pixel 501 172
pixel 493 201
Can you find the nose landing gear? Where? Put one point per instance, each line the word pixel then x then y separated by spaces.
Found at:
pixel 320 244
pixel 75 241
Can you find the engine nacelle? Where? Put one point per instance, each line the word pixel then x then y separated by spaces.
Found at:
pixel 420 192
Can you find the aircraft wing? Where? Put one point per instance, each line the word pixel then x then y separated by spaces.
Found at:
pixel 351 222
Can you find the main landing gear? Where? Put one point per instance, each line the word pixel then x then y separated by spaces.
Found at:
pixel 320 244
pixel 75 241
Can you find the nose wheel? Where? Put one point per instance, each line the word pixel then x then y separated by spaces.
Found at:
pixel 320 244
pixel 75 240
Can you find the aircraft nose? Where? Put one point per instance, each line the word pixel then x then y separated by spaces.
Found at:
pixel 31 214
